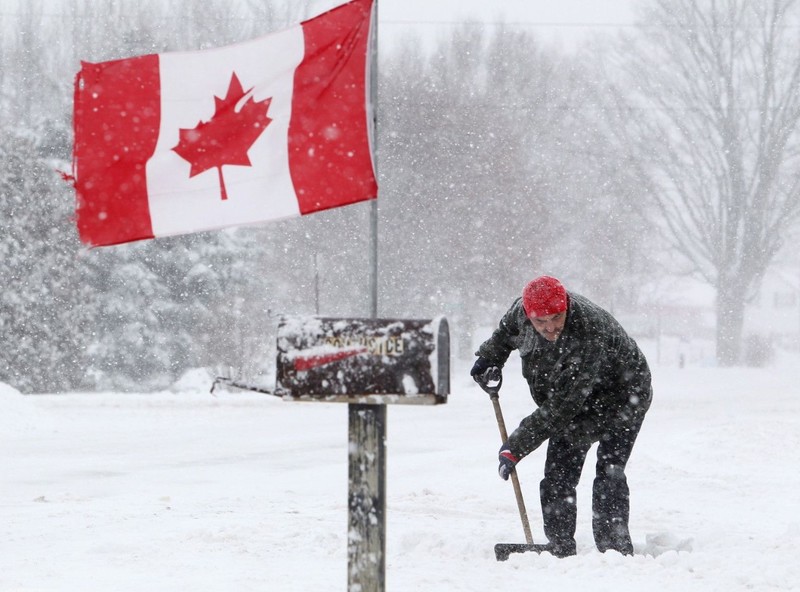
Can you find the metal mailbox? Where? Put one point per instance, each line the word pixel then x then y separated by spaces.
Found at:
pixel 363 360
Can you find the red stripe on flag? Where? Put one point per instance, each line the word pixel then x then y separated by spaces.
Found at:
pixel 301 364
pixel 117 114
pixel 329 154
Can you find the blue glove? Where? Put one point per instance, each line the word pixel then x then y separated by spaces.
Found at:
pixel 480 366
pixel 507 462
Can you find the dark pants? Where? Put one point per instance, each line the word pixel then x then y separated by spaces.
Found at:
pixel 610 495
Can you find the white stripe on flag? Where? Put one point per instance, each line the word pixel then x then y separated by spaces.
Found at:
pixel 189 82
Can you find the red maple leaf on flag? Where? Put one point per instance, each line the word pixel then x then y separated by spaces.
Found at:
pixel 224 139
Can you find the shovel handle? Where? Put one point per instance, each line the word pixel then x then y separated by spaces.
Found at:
pixel 498 413
pixel 523 513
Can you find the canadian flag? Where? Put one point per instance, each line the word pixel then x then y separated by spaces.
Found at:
pixel 183 142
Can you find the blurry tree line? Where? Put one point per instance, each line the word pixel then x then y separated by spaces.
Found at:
pixel 499 158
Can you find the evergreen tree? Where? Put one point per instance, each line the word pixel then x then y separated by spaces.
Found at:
pixel 41 320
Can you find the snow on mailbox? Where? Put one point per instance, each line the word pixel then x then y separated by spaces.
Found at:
pixel 363 360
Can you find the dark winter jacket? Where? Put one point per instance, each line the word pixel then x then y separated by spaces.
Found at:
pixel 592 379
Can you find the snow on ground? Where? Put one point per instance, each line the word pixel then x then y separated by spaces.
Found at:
pixel 240 491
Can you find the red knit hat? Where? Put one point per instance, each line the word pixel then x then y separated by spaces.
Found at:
pixel 544 296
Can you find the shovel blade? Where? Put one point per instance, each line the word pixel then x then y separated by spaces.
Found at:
pixel 503 550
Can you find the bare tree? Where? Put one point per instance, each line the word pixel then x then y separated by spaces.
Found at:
pixel 494 169
pixel 466 139
pixel 709 108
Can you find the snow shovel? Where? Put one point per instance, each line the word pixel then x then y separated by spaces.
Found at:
pixel 491 381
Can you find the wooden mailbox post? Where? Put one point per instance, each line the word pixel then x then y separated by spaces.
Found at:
pixel 367 363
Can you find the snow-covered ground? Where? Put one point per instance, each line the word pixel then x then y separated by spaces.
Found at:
pixel 240 491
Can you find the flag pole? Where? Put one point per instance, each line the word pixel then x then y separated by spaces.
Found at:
pixel 373 212
pixel 366 540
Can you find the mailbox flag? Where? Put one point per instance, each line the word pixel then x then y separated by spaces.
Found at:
pixel 267 129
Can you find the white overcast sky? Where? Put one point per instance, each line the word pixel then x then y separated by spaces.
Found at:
pixel 561 21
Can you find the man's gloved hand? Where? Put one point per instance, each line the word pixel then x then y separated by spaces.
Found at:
pixel 507 462
pixel 485 371
pixel 480 366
